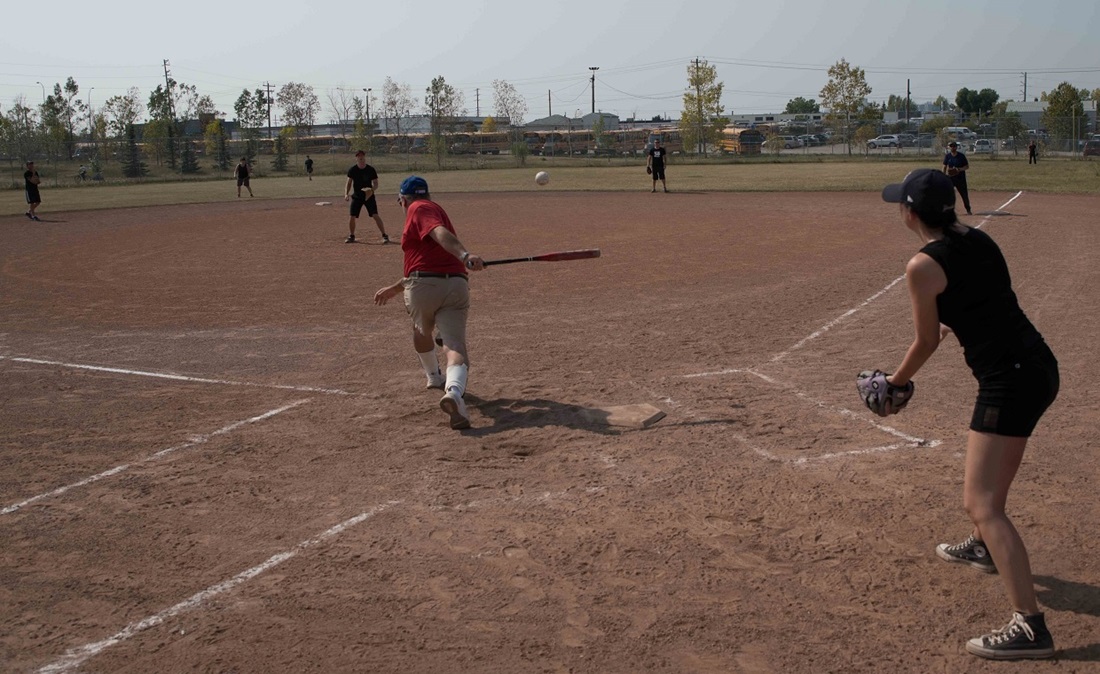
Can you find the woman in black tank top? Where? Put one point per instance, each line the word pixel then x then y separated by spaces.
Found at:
pixel 959 283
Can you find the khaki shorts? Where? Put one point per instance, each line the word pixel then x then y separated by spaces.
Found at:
pixel 441 304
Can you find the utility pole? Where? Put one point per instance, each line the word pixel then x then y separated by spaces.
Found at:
pixel 1025 87
pixel 549 104
pixel 594 69
pixel 908 93
pixel 477 102
pixel 267 85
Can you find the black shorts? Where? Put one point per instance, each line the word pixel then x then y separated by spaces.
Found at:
pixel 357 204
pixel 242 182
pixel 659 172
pixel 1011 400
pixel 33 197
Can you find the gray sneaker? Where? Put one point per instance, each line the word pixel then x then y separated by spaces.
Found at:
pixel 435 381
pixel 452 404
pixel 1025 637
pixel 971 551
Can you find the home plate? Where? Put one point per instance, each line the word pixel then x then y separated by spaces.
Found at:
pixel 643 415
pixel 324 203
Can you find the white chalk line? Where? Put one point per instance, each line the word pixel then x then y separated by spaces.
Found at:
pixel 195 440
pixel 911 442
pixel 833 323
pixel 177 377
pixel 77 656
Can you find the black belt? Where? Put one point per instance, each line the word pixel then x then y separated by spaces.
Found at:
pixel 432 274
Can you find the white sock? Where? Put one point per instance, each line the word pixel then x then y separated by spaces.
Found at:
pixel 456 379
pixel 429 362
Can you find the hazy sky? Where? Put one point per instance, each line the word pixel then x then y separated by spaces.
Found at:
pixel 766 52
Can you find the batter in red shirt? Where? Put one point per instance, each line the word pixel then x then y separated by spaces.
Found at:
pixel 437 294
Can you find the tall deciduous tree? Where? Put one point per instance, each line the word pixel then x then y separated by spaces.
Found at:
pixel 251 109
pixel 702 121
pixel 397 104
pixel 510 104
pixel 1065 111
pixel 802 106
pixel 300 106
pixel 443 103
pixel 122 111
pixel 342 103
pixel 975 102
pixel 844 93
pixel 59 115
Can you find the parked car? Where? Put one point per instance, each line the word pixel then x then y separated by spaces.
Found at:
pixel 887 140
pixel 907 139
pixel 810 140
pixel 983 146
pixel 1092 148
pixel 925 139
pixel 790 142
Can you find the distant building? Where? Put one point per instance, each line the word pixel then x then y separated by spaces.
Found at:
pixel 1031 112
pixel 558 122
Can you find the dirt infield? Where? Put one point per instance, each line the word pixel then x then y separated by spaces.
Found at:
pixel 218 455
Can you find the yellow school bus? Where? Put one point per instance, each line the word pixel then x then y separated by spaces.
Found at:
pixel 740 141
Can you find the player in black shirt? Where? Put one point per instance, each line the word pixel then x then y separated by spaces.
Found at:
pixel 31 180
pixel 359 190
pixel 655 162
pixel 959 282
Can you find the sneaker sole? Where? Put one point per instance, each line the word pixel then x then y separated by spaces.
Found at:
pixel 458 422
pixel 994 654
pixel 438 386
pixel 947 557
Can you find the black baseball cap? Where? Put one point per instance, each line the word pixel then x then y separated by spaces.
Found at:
pixel 952 144
pixel 924 190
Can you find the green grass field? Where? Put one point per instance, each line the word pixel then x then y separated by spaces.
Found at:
pixel 802 173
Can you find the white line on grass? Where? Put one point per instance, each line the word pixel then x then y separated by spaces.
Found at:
pixel 177 377
pixel 77 656
pixel 196 440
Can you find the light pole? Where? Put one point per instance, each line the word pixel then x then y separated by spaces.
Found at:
pixel 593 69
pixel 369 140
pixel 43 92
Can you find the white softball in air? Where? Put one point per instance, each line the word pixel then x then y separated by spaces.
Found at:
pixel 542 178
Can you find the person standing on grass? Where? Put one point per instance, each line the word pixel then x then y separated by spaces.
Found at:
pixel 437 294
pixel 959 282
pixel 31 180
pixel 309 167
pixel 1032 152
pixel 360 190
pixel 242 174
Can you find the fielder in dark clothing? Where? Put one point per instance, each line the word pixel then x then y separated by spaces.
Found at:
pixel 955 166
pixel 655 162
pixel 959 282
pixel 359 190
pixel 242 173
pixel 31 180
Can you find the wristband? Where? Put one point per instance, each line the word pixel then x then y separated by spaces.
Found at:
pixel 465 256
